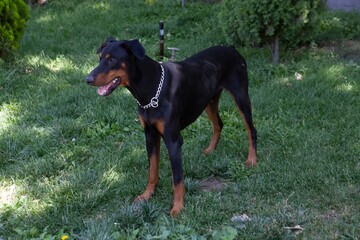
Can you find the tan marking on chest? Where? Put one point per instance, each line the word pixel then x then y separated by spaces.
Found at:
pixel 160 126
pixel 142 121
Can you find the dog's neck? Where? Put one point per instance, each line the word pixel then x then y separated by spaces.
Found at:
pixel 144 80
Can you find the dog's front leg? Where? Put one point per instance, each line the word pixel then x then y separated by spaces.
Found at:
pixel 173 143
pixel 153 150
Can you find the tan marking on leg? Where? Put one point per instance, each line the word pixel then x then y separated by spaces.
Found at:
pixel 251 160
pixel 153 178
pixel 179 194
pixel 212 111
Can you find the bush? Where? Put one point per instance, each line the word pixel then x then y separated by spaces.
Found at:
pixel 339 25
pixel 270 21
pixel 13 16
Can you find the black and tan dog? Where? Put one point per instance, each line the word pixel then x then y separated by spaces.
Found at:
pixel 171 96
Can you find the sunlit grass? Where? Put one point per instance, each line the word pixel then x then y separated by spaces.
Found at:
pixel 8 194
pixel 345 87
pixel 8 115
pixel 102 6
pixel 15 198
pixel 57 64
pixel 336 71
pixel 112 176
pixel 45 18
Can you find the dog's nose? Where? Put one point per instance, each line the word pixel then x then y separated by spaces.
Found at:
pixel 90 79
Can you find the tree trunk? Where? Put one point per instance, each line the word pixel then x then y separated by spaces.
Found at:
pixel 275 49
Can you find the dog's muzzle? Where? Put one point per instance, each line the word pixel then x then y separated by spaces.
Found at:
pixel 90 79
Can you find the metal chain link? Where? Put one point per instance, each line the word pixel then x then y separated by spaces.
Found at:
pixel 154 102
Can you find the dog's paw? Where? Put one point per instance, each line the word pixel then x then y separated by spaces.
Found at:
pixel 144 197
pixel 208 150
pixel 177 207
pixel 251 162
pixel 175 211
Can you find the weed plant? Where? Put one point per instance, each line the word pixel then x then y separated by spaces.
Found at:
pixel 71 161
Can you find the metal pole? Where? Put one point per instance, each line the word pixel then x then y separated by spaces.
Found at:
pixel 161 25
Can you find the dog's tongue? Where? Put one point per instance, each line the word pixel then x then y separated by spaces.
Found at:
pixel 109 88
pixel 103 91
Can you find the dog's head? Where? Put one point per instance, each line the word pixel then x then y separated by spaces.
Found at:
pixel 115 59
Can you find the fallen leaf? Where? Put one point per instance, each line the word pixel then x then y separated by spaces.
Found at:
pixel 298 76
pixel 241 218
pixel 296 229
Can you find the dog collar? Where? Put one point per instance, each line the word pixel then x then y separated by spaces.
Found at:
pixel 154 102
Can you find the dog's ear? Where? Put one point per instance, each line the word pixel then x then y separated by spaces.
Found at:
pixel 134 47
pixel 109 40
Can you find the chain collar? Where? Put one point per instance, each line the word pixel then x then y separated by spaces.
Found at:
pixel 154 102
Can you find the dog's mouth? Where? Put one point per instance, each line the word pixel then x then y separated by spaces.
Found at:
pixel 109 88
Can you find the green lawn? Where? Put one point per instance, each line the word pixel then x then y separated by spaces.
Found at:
pixel 71 162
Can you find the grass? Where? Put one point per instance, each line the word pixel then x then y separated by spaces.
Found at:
pixel 71 161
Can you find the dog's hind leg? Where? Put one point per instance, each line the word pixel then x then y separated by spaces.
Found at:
pixel 238 88
pixel 212 111
pixel 245 112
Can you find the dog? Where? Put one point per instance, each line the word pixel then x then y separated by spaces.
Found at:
pixel 171 96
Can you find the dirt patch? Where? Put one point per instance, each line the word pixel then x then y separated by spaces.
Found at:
pixel 351 50
pixel 211 184
pixel 348 50
pixel 332 215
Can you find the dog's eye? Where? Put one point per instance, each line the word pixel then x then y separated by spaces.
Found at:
pixel 112 60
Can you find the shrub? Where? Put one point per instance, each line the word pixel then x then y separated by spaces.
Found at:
pixel 339 25
pixel 13 16
pixel 270 21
